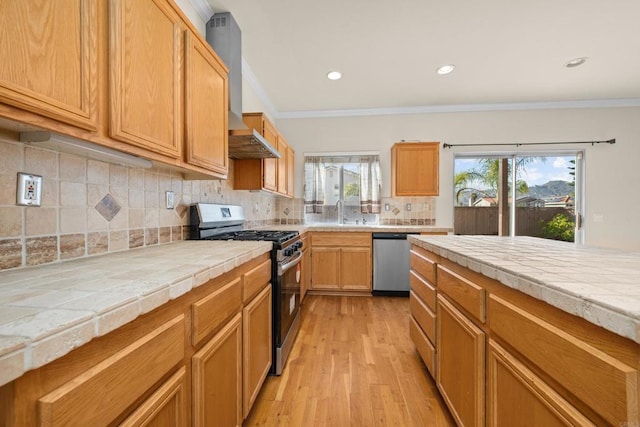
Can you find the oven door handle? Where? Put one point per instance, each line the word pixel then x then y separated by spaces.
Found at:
pixel 284 267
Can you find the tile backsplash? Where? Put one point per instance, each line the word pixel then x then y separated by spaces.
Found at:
pixel 91 207
pixel 422 211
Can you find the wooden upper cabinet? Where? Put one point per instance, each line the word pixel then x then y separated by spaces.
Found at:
pixel 270 166
pixel 206 94
pixel 414 168
pixel 291 161
pixel 145 88
pixel 258 174
pixel 50 51
pixel 283 148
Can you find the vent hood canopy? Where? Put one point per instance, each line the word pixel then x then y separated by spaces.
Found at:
pixel 225 37
pixel 249 144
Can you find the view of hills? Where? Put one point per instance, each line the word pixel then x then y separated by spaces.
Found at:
pixel 544 191
pixel 551 189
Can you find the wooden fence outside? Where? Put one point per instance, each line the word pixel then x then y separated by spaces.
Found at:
pixel 484 220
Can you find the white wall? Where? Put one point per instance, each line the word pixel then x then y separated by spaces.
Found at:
pixel 611 170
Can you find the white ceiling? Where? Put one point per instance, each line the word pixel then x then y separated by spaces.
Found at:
pixel 505 51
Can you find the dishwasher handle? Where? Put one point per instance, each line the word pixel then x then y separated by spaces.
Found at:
pixel 391 236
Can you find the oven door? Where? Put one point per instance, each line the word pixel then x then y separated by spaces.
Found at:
pixel 288 295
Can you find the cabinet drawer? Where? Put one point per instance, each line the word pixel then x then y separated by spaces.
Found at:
pixel 255 280
pixel 423 289
pixel 423 265
pixel 423 345
pixel 605 384
pixel 210 312
pixel 467 294
pixel 117 381
pixel 341 239
pixel 424 316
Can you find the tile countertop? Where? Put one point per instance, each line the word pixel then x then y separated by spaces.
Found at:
pixel 302 228
pixel 597 284
pixel 47 311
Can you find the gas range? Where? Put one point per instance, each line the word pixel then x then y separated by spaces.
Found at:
pixel 275 236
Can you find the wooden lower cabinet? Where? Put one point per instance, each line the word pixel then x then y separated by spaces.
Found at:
pixel 460 364
pixel 503 358
pixel 341 261
pixel 199 359
pixel 166 407
pixel 102 393
pixel 305 266
pixel 257 354
pixel 217 378
pixel 518 397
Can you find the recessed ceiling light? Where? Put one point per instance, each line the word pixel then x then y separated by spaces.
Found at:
pixel 576 62
pixel 445 69
pixel 334 75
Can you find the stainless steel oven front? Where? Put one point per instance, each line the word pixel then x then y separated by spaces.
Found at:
pixel 286 304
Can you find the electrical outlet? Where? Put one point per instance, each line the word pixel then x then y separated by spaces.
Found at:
pixel 170 199
pixel 386 207
pixel 29 191
pixel 408 206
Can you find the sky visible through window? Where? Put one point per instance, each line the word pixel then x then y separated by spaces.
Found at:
pixel 555 168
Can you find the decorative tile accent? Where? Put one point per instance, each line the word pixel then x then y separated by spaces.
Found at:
pixel 151 236
pixel 10 253
pixel 182 209
pixel 97 243
pixel 176 233
pixel 136 238
pixel 71 246
pixel 108 207
pixel 165 235
pixel 41 250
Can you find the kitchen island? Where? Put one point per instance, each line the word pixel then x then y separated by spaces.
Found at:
pixel 521 329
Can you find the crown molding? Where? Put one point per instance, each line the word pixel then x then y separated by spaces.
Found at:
pixel 203 9
pixel 460 108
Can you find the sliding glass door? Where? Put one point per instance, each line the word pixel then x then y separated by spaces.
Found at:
pixel 515 194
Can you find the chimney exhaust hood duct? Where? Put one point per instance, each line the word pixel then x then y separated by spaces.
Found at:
pixel 225 37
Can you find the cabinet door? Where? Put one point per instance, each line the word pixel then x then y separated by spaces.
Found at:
pixel 217 378
pixel 355 269
pixel 283 148
pixel 257 356
pixel 415 169
pixel 206 110
pixel 103 392
pixel 166 407
pixel 145 88
pixel 291 159
pixel 516 396
pixel 325 268
pixel 270 166
pixel 460 364
pixel 305 283
pixel 50 51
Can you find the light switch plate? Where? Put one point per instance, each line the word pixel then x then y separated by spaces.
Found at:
pixel 29 191
pixel 170 199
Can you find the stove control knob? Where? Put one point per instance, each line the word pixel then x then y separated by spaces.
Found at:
pixel 288 252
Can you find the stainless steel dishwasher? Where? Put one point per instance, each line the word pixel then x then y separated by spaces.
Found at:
pixel 391 264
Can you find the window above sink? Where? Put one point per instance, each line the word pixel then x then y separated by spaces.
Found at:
pixel 342 188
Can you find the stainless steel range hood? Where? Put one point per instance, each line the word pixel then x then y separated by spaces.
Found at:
pixel 225 37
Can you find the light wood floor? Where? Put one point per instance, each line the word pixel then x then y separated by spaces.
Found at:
pixel 353 364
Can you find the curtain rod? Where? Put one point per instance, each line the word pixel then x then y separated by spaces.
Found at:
pixel 519 144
